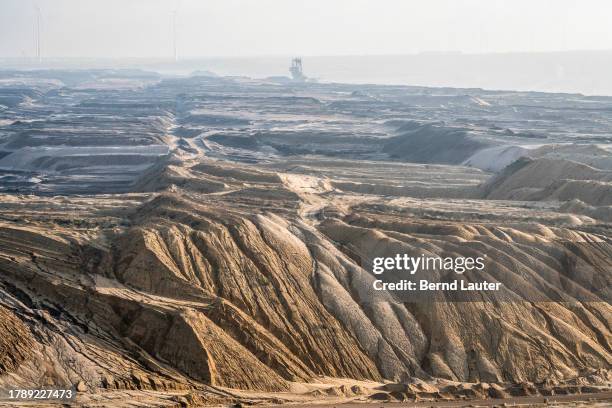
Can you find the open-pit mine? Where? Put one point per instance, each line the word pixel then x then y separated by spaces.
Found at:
pixel 184 241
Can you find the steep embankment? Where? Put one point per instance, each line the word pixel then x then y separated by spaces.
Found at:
pixel 430 143
pixel 490 340
pixel 95 330
pixel 195 292
pixel 221 296
pixel 252 264
pixel 551 179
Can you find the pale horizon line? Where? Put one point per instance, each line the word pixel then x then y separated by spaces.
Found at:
pixel 286 55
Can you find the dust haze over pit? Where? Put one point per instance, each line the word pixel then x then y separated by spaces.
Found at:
pixel 549 46
pixel 138 28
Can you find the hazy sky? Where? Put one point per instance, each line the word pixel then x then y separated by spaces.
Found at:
pixel 142 28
